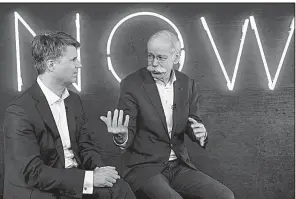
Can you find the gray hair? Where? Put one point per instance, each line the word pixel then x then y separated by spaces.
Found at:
pixel 176 45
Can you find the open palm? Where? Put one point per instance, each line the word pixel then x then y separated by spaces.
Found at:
pixel 116 125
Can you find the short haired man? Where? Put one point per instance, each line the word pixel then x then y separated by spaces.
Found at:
pixel 48 153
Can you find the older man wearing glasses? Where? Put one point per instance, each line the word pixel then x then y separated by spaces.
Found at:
pixel 161 106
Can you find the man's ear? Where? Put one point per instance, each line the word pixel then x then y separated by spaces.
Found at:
pixel 177 57
pixel 50 65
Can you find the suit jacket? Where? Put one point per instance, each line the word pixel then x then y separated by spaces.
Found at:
pixel 148 146
pixel 34 156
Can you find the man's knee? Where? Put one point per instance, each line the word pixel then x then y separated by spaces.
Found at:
pixel 122 190
pixel 155 193
pixel 216 190
pixel 226 193
pixel 119 190
pixel 121 184
pixel 174 195
pixel 220 191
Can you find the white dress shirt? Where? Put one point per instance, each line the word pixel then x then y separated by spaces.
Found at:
pixel 57 107
pixel 166 93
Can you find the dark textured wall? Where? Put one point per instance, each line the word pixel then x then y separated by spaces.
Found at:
pixel 251 128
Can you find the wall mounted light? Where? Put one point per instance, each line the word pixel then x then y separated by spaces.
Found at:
pixel 230 84
pixel 271 83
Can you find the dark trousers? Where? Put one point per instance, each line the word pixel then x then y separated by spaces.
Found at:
pixel 178 181
pixel 120 190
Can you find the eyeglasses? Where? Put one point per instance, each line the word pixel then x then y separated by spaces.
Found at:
pixel 160 58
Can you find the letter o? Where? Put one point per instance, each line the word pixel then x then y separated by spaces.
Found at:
pixel 110 66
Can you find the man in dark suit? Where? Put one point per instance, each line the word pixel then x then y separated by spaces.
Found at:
pixel 48 153
pixel 161 106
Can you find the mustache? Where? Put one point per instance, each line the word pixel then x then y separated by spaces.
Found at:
pixel 156 70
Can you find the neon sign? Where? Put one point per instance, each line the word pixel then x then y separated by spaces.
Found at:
pixel 271 83
pixel 18 18
pixel 110 66
pixel 77 23
pixel 230 82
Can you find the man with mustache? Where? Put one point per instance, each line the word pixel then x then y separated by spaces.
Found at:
pixel 48 153
pixel 161 106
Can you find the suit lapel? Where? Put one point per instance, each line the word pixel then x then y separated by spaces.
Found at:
pixel 46 114
pixel 70 119
pixel 177 101
pixel 152 92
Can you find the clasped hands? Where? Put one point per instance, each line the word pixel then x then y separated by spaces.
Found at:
pixel 105 176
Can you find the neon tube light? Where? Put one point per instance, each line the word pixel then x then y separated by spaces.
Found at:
pixel 230 84
pixel 77 23
pixel 18 18
pixel 271 83
pixel 109 62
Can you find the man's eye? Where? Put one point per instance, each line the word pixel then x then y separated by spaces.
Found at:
pixel 162 58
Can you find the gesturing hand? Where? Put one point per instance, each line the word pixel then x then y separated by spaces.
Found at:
pixel 199 130
pixel 105 176
pixel 116 126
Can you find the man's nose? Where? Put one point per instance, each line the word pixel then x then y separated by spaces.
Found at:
pixel 155 62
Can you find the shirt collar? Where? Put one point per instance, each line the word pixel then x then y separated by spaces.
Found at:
pixel 50 96
pixel 171 80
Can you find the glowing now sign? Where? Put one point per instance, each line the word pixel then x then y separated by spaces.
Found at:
pixel 230 83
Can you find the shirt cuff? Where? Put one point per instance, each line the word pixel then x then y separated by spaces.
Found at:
pixel 88 183
pixel 123 145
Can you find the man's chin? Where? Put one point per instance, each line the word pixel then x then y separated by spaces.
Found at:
pixel 74 80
